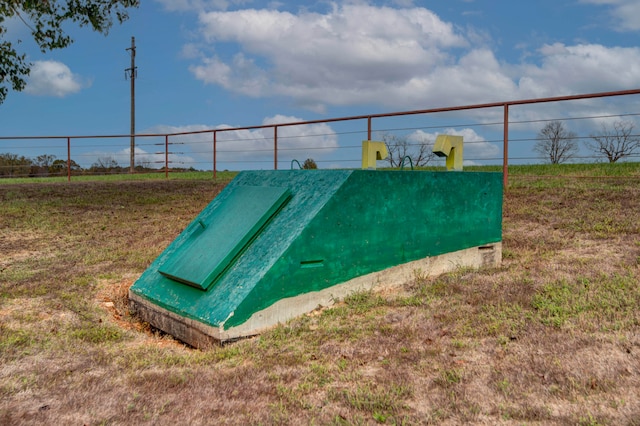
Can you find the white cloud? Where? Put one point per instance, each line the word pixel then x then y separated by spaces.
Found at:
pixel 204 5
pixel 52 78
pixel 187 5
pixel 142 157
pixel 327 58
pixel 242 75
pixel 403 59
pixel 256 144
pixel 553 49
pixel 626 13
pixel 581 68
pixel 214 71
pixel 403 3
pixel 190 51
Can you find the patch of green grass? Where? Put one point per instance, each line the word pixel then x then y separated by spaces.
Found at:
pixel 97 333
pixel 362 302
pixel 502 319
pixel 450 377
pixel 11 339
pixel 221 176
pixel 140 358
pixel 622 169
pixel 377 400
pixel 319 374
pixel 589 420
pixel 16 274
pixel 503 386
pixel 556 303
pixel 600 304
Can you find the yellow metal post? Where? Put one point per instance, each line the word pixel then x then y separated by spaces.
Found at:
pixel 371 152
pixel 450 147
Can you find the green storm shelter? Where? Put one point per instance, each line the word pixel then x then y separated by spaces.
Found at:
pixel 276 244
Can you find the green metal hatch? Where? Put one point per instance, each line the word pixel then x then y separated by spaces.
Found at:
pixel 215 241
pixel 275 244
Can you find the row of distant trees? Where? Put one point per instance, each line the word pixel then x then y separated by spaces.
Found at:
pixel 558 144
pixel 13 165
pixel 554 142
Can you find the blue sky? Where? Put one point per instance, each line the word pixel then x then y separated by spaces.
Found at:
pixel 218 63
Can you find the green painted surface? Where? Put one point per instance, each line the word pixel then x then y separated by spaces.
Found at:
pixel 214 242
pixel 337 225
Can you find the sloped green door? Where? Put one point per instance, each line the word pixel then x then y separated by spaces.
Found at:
pixel 215 241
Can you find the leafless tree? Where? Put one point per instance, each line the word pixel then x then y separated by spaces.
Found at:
pixel 59 167
pixel 617 142
pixel 44 160
pixel 42 165
pixel 399 147
pixel 14 165
pixel 105 165
pixel 143 163
pixel 556 143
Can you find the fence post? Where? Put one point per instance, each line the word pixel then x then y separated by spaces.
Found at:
pixel 68 159
pixel 215 141
pixel 505 150
pixel 275 147
pixel 166 156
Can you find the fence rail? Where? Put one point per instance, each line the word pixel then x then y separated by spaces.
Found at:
pixel 254 145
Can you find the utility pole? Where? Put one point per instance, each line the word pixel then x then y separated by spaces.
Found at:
pixel 131 74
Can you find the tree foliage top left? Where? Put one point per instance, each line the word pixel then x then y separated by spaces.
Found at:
pixel 46 20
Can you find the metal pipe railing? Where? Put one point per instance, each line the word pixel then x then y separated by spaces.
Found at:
pixel 505 105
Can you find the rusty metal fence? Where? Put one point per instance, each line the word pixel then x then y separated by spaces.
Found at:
pixel 284 144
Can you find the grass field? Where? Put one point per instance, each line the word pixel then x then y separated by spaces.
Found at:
pixel 118 177
pixel 550 337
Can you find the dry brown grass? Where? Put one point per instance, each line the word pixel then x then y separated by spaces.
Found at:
pixel 551 337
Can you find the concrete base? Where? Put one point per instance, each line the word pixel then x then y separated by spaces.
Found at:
pixel 201 335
